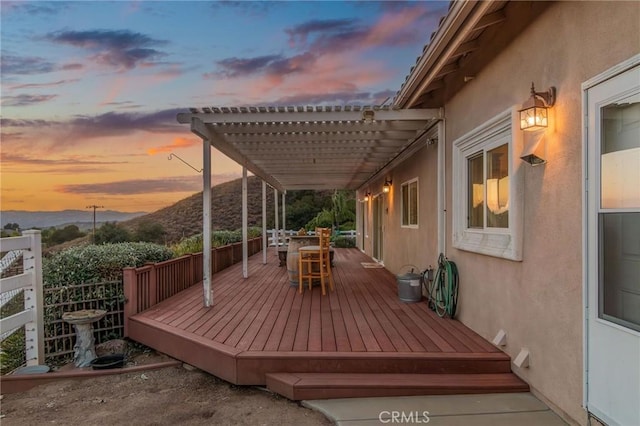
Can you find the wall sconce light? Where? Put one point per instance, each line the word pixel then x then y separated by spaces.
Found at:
pixel 387 186
pixel 368 116
pixel 534 114
pixel 367 196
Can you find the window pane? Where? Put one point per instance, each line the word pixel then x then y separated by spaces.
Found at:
pixel 620 161
pixel 619 263
pixel 498 187
pixel 413 203
pixel 405 205
pixel 475 190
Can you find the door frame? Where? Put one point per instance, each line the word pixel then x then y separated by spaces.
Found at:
pixel 586 215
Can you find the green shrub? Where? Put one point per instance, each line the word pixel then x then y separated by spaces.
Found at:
pixel 12 352
pixel 150 232
pixel 111 233
pixel 12 348
pixel 92 263
pixel 194 243
pixel 343 241
pixel 68 233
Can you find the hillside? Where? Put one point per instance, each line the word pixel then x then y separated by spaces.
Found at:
pixel 46 219
pixel 184 218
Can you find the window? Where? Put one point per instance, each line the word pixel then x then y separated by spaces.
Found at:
pixel 410 203
pixel 488 188
pixel 487 200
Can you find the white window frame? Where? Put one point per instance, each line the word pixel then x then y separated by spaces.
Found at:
pixel 498 242
pixel 402 188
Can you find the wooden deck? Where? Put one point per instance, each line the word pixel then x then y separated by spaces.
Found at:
pixel 262 331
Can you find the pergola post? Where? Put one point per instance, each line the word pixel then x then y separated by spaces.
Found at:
pixel 284 216
pixel 264 223
pixel 276 231
pixel 245 250
pixel 206 223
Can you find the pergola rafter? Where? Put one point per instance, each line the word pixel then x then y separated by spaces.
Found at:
pixel 324 147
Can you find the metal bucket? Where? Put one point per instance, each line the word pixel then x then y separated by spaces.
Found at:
pixel 409 288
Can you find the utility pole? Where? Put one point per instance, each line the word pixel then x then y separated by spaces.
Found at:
pixel 94 207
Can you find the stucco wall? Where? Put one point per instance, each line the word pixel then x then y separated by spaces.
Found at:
pixel 405 247
pixel 538 301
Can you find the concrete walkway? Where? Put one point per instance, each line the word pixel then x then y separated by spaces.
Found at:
pixel 498 409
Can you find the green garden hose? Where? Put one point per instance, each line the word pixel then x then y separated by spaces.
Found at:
pixel 442 294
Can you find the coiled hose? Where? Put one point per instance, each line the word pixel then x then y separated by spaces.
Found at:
pixel 442 292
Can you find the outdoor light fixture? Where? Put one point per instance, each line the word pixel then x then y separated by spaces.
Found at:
pixel 367 196
pixel 368 116
pixel 534 114
pixel 387 186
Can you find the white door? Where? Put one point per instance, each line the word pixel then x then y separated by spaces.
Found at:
pixel 613 247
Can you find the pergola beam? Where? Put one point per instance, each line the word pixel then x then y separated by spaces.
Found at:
pixel 307 116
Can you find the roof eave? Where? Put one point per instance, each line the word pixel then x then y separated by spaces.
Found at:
pixel 456 26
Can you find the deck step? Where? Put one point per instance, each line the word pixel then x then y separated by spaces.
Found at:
pixel 298 386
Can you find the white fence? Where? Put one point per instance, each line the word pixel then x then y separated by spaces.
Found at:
pixel 283 234
pixel 7 261
pixel 30 281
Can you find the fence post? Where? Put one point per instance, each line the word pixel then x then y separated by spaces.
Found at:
pixel 153 285
pixel 130 287
pixel 34 330
pixel 192 273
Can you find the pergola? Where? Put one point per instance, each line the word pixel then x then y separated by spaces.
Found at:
pixel 290 148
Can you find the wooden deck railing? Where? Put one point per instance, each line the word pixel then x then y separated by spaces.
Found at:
pixel 152 283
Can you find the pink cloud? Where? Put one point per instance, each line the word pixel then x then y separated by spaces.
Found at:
pixel 178 142
pixel 396 28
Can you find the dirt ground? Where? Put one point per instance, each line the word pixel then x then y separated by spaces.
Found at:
pixel 169 396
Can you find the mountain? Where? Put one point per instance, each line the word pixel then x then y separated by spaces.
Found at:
pixel 42 219
pixel 184 218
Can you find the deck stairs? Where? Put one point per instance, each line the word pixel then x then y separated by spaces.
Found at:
pixel 299 386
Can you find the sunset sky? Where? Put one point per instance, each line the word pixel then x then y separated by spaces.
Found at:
pixel 90 90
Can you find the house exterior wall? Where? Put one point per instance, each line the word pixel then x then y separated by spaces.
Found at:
pixel 403 247
pixel 538 301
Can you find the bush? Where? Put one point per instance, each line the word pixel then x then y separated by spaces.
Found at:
pixel 343 241
pixel 110 233
pixel 150 232
pixel 68 233
pixel 12 348
pixel 12 354
pixel 194 243
pixel 85 264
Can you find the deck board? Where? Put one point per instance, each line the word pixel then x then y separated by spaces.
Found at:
pixel 261 324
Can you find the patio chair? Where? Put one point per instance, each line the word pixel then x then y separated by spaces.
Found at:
pixel 314 262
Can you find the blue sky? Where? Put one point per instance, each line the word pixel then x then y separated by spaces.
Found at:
pixel 90 89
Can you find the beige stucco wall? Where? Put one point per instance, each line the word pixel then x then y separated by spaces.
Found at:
pixel 404 247
pixel 538 301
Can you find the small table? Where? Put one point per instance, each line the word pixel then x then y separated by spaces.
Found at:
pixel 84 349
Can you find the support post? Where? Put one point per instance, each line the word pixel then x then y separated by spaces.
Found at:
pixel 264 223
pixel 33 299
pixel 206 223
pixel 276 232
pixel 441 191
pixel 245 216
pixel 284 216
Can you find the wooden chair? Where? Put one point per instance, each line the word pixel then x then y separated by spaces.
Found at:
pixel 314 262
